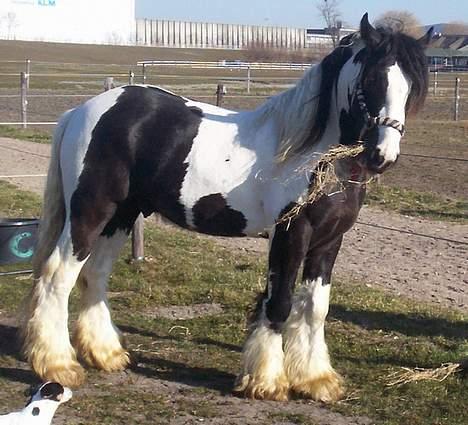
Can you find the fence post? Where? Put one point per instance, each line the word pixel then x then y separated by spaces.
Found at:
pixel 220 92
pixel 143 73
pixel 24 98
pixel 131 78
pixel 457 99
pixel 109 83
pixel 138 250
pixel 248 79
pixel 435 83
pixel 28 69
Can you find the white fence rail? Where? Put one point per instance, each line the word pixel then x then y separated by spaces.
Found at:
pixel 230 64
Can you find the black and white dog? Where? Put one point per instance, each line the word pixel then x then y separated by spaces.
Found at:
pixel 41 407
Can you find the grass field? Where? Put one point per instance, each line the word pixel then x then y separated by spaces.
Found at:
pixel 185 368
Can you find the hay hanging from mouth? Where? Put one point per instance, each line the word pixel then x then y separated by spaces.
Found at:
pixel 408 375
pixel 323 176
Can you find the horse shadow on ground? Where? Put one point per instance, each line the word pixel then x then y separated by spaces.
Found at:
pixel 182 373
pixel 170 370
pixel 409 324
pixel 9 347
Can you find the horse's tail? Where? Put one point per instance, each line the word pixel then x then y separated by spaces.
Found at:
pixel 53 210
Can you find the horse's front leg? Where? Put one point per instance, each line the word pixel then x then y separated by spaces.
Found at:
pixel 263 374
pixel 307 363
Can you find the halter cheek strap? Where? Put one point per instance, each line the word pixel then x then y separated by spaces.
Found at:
pixel 374 121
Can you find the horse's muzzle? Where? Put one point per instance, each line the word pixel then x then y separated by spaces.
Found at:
pixel 375 162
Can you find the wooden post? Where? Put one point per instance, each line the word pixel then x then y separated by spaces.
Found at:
pixel 457 99
pixel 131 78
pixel 220 92
pixel 109 83
pixel 435 83
pixel 248 79
pixel 24 98
pixel 138 252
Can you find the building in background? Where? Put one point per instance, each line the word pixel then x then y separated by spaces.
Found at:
pixel 73 21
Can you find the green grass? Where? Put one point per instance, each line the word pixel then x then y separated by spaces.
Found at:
pixel 18 203
pixel 30 134
pixel 370 334
pixel 419 204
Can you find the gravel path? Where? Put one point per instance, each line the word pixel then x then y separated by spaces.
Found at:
pixel 417 266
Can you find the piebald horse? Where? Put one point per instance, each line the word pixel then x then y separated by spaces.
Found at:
pixel 141 149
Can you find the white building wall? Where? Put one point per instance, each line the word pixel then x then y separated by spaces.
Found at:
pixel 78 21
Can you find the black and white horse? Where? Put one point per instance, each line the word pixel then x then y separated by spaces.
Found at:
pixel 143 149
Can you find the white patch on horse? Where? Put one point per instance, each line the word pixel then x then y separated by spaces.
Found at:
pixel 246 173
pixel 397 94
pixel 262 374
pixel 306 359
pixel 96 338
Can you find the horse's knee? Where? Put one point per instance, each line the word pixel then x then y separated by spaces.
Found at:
pixel 277 312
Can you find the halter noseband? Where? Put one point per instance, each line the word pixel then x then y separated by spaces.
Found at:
pixel 374 121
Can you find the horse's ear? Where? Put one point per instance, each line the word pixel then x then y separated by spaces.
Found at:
pixel 426 38
pixel 368 33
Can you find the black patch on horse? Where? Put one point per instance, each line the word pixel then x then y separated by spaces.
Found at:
pixel 134 163
pixel 36 411
pixel 212 215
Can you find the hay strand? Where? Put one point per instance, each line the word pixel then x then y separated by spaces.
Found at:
pixel 408 375
pixel 324 175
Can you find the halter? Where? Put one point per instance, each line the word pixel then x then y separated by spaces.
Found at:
pixel 374 121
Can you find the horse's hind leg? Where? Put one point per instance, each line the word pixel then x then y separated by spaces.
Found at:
pixel 44 327
pixel 96 339
pixel 307 362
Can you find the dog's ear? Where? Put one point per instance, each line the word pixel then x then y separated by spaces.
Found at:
pixel 52 391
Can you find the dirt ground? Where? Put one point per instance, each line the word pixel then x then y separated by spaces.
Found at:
pixel 416 266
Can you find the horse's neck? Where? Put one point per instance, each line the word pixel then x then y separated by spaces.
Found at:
pixel 292 112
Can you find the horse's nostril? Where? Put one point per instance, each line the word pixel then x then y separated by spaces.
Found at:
pixel 376 158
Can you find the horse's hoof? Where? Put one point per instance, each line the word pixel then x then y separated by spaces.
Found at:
pixel 106 360
pixel 327 388
pixel 110 357
pixel 251 387
pixel 72 375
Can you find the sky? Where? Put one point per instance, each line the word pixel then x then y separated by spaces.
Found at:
pixel 296 13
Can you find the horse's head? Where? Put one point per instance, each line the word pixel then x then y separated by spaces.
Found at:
pixel 383 77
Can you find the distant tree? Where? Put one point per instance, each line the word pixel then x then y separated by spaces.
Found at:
pixel 456 28
pixel 330 12
pixel 400 20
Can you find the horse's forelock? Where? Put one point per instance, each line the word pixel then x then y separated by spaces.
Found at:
pixel 410 56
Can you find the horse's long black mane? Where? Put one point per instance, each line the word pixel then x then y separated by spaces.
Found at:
pixel 393 47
